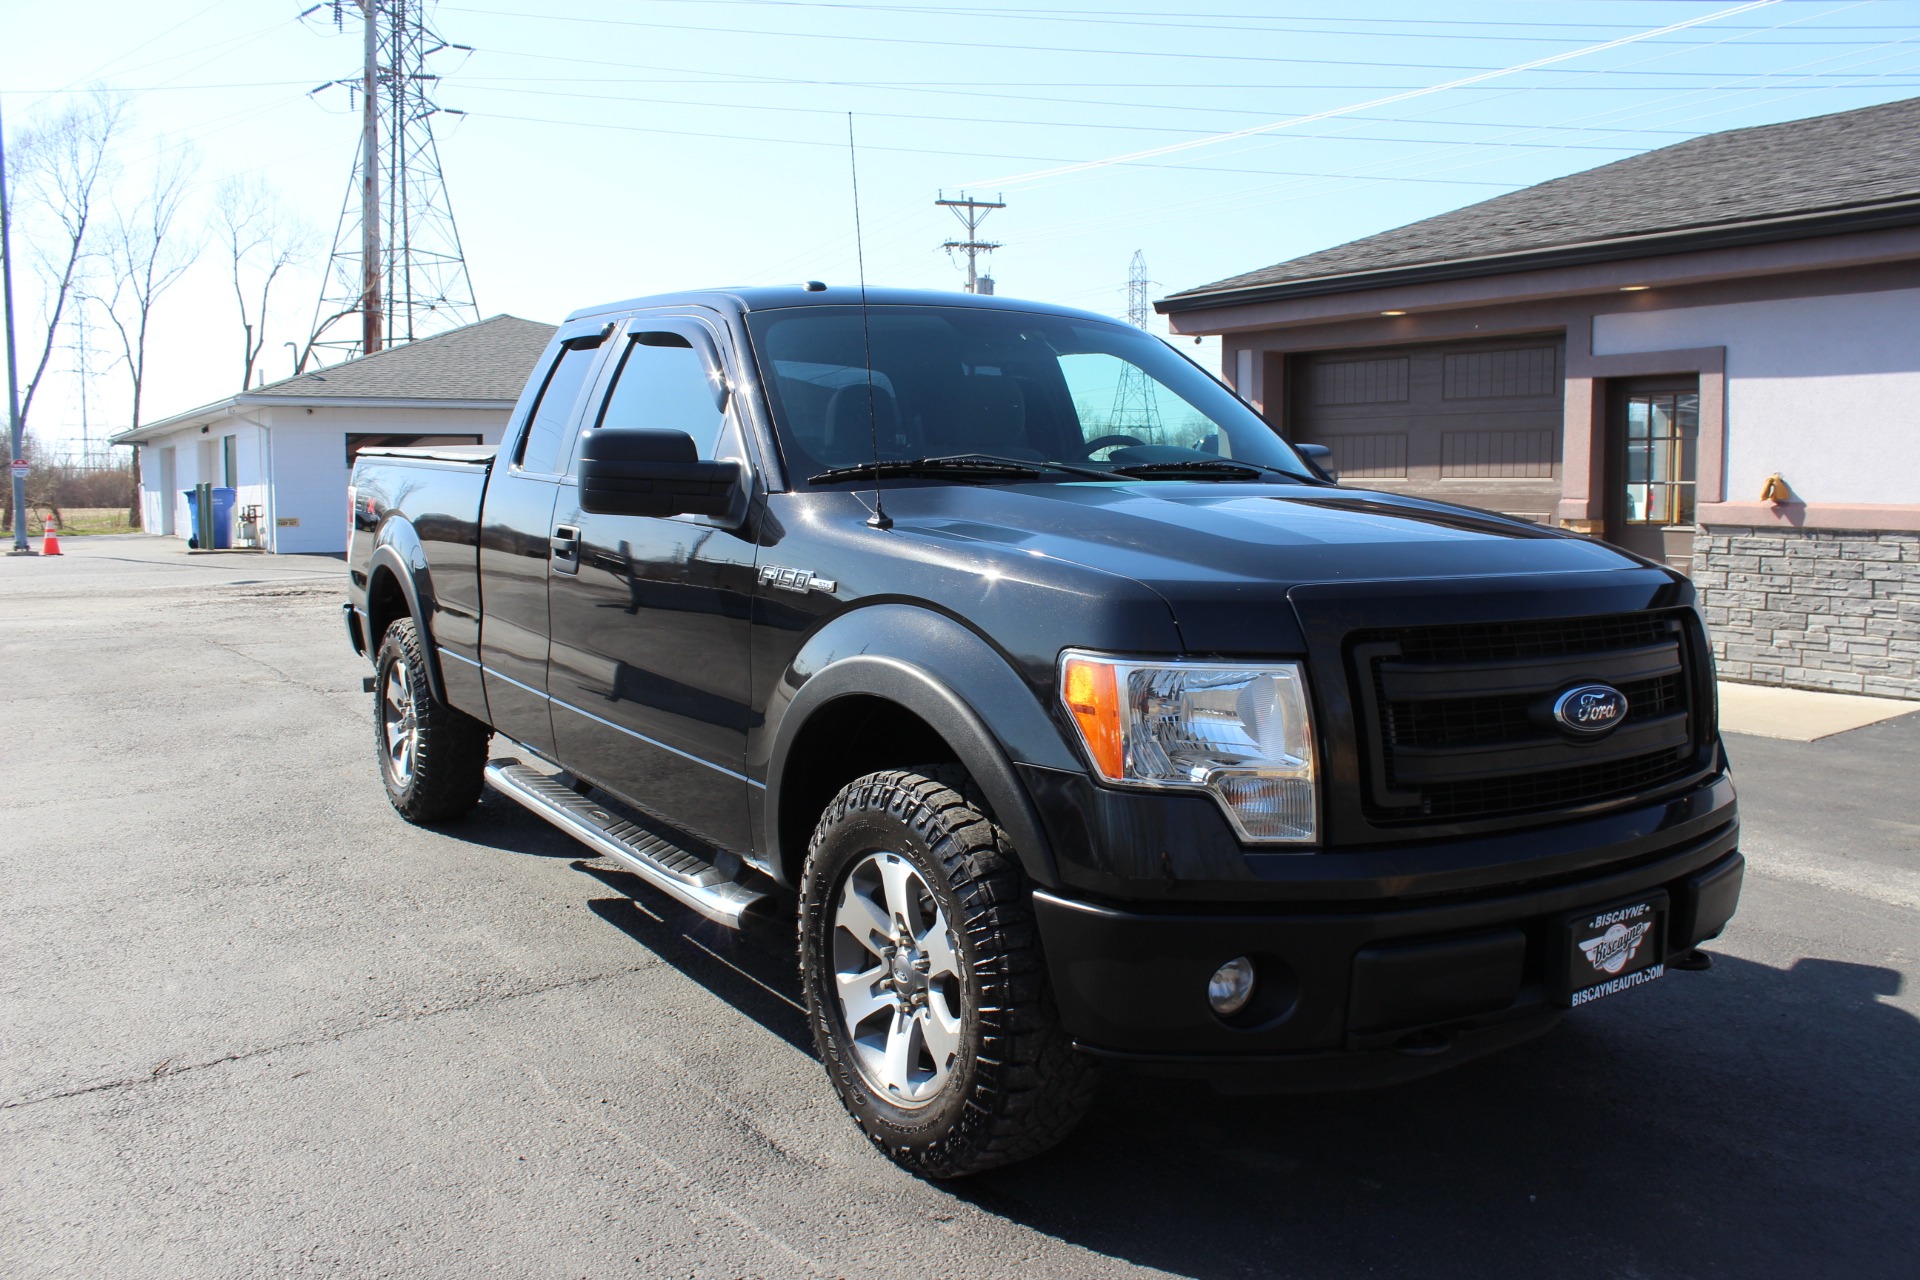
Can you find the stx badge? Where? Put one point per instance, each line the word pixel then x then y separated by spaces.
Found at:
pixel 799 580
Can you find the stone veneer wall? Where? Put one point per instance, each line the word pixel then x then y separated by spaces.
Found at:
pixel 1831 609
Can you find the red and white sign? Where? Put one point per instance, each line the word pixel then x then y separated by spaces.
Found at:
pixel 20 467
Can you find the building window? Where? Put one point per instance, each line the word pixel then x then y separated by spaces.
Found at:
pixel 1661 428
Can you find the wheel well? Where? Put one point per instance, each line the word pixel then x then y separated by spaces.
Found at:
pixel 385 603
pixel 846 739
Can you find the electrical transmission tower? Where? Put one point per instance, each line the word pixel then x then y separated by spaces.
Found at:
pixel 397 264
pixel 1136 411
pixel 971 214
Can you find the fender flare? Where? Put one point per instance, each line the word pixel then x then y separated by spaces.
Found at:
pixel 920 660
pixel 400 554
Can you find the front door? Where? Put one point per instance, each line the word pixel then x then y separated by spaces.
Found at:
pixel 1653 439
pixel 650 664
pixel 169 490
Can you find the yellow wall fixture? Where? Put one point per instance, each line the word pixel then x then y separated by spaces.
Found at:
pixel 1775 490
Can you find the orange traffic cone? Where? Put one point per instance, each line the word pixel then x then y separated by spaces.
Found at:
pixel 50 546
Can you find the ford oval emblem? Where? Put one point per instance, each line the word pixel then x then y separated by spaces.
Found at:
pixel 1589 709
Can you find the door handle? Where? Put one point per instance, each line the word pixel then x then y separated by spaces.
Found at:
pixel 565 546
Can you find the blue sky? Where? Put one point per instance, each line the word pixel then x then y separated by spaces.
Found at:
pixel 618 148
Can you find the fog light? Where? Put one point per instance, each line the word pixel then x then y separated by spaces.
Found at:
pixel 1231 986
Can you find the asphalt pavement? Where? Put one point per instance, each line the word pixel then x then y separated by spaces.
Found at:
pixel 251 1023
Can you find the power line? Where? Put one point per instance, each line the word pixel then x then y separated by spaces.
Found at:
pixel 1003 46
pixel 1463 82
pixel 787 109
pixel 1126 17
pixel 948 151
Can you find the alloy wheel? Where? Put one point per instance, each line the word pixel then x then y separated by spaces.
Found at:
pixel 398 723
pixel 897 976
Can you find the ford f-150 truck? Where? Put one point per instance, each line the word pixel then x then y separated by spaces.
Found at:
pixel 1073 714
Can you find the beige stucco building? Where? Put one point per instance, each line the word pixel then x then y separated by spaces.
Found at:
pixel 1708 354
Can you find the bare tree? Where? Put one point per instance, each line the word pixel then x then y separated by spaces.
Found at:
pixel 60 172
pixel 261 241
pixel 145 258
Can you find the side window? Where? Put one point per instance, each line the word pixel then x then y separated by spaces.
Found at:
pixel 547 424
pixel 664 385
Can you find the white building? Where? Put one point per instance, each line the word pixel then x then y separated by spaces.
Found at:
pixel 287 448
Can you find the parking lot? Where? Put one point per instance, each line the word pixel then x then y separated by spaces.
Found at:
pixel 255 1024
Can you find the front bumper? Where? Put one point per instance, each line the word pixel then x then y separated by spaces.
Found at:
pixel 1351 995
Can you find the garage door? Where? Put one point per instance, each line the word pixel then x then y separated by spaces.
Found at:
pixel 1475 423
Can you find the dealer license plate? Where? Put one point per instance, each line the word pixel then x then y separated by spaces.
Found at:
pixel 1612 949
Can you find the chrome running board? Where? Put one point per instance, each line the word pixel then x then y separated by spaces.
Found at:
pixel 682 875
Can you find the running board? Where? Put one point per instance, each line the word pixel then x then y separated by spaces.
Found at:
pixel 683 876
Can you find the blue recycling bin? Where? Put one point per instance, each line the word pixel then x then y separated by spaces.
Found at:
pixel 222 515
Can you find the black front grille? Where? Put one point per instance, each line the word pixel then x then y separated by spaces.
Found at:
pixel 1463 722
pixel 1457 725
pixel 1552 637
pixel 1556 788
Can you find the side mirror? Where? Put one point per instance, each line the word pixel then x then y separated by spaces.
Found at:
pixel 653 473
pixel 1320 458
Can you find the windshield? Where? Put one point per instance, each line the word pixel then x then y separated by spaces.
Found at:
pixel 1014 385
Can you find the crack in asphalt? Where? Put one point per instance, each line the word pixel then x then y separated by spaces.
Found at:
pixel 234 648
pixel 167 1069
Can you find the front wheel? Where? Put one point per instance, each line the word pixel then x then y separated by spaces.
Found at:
pixel 925 987
pixel 433 758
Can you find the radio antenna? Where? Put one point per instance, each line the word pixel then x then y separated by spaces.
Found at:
pixel 879 519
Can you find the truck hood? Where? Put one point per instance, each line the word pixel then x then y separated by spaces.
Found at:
pixel 1225 555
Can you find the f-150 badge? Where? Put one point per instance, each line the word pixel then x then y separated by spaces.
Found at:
pixel 1613 950
pixel 800 580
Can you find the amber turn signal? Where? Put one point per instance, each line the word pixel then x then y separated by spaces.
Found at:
pixel 1092 695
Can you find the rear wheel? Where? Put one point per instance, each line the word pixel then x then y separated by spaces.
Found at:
pixel 432 757
pixel 925 987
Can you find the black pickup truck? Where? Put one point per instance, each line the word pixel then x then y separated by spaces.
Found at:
pixel 1073 714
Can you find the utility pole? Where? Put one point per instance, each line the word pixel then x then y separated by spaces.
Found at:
pixel 83 354
pixel 1136 408
pixel 372 311
pixel 397 264
pixel 20 544
pixel 1138 308
pixel 971 214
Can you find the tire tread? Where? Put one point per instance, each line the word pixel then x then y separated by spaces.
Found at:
pixel 1030 1086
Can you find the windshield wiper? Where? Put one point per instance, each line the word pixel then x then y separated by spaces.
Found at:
pixel 960 466
pixel 1197 469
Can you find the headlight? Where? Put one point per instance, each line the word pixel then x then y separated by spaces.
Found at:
pixel 1239 731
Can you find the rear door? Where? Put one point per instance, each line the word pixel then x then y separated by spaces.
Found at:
pixel 650 662
pixel 516 521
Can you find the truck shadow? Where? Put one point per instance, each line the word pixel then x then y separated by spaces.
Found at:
pixel 1750 1121
pixel 751 970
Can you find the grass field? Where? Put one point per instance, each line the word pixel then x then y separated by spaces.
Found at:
pixel 77 522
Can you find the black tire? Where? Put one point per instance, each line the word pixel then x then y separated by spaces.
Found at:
pixel 445 762
pixel 1014 1086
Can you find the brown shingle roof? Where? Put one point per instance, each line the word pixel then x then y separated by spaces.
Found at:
pixel 1851 159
